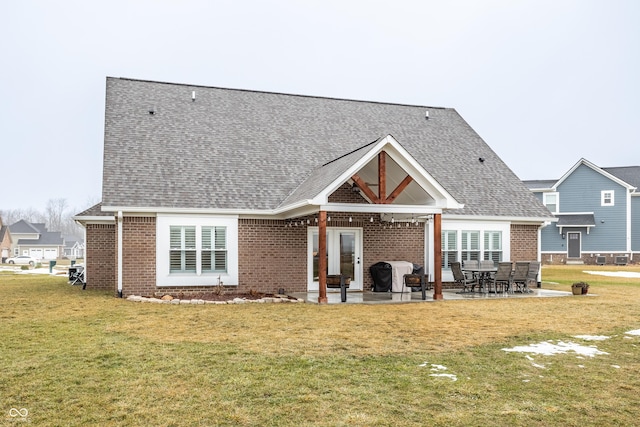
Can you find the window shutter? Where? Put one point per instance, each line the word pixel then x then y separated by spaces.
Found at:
pixel 221 238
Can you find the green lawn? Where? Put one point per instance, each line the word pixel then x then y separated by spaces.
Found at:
pixel 73 357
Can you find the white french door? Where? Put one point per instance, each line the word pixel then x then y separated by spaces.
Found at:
pixel 344 255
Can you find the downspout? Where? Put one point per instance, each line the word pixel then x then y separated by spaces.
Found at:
pixel 628 225
pixel 119 219
pixel 539 255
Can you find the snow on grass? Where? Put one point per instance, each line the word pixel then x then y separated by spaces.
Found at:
pixel 634 332
pixel 548 348
pixel 592 337
pixel 437 368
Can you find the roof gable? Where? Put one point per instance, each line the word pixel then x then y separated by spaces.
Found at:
pixel 592 166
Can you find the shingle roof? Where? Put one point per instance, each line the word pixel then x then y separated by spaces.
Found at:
pixel 95 210
pixel 540 184
pixel 629 174
pixel 238 149
pixel 576 220
pixel 48 238
pixel 24 227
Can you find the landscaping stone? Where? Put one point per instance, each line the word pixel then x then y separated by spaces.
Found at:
pixel 168 299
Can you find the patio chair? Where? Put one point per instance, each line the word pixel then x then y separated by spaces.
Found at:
pixel 461 279
pixel 520 276
pixel 470 263
pixel 532 276
pixel 502 278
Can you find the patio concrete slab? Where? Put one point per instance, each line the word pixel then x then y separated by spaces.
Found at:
pixel 369 297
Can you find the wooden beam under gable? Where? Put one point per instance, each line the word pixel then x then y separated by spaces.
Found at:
pixel 365 189
pixel 382 177
pixel 382 197
pixel 399 189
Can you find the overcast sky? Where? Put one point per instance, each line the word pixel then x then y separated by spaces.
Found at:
pixel 544 82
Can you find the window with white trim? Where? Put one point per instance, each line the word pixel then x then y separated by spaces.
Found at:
pixel 449 248
pixel 196 250
pixel 182 252
pixel 214 249
pixel 470 245
pixel 550 200
pixel 607 198
pixel 186 249
pixel 493 246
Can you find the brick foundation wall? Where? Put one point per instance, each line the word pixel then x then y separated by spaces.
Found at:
pixel 524 242
pixel 139 256
pixel 101 256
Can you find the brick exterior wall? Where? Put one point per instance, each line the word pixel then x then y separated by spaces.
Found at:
pixel 524 242
pixel 272 254
pixel 138 256
pixel 101 256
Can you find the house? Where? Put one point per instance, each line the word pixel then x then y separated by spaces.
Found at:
pixel 34 240
pixel 597 211
pixel 73 249
pixel 205 186
pixel 5 242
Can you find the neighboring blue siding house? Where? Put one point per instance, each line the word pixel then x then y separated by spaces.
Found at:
pixel 597 211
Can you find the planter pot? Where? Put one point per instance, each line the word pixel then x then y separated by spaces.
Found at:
pixel 579 289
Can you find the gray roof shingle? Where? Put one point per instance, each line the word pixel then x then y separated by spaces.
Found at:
pixel 238 149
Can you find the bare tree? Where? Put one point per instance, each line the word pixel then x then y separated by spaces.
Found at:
pixel 55 212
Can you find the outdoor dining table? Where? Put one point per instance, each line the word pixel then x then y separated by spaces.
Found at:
pixel 482 273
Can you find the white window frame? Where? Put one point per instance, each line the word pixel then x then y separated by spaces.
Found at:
pixel 449 246
pixel 603 197
pixel 487 251
pixel 557 203
pixel 467 237
pixel 164 277
pixel 450 224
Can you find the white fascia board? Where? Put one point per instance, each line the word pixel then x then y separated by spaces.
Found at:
pixel 94 219
pixel 380 208
pixel 574 213
pixel 515 219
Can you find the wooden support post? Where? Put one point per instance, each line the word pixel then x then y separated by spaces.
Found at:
pixel 437 256
pixel 382 176
pixel 322 257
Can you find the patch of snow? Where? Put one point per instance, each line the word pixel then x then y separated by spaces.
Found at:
pixel 629 274
pixel 535 365
pixel 634 332
pixel 580 366
pixel 548 349
pixel 592 337
pixel 453 377
pixel 615 366
pixel 438 367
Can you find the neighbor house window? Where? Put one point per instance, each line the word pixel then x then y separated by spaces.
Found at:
pixel 550 200
pixel 607 198
pixel 449 248
pixel 214 249
pixel 470 245
pixel 493 246
pixel 182 256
